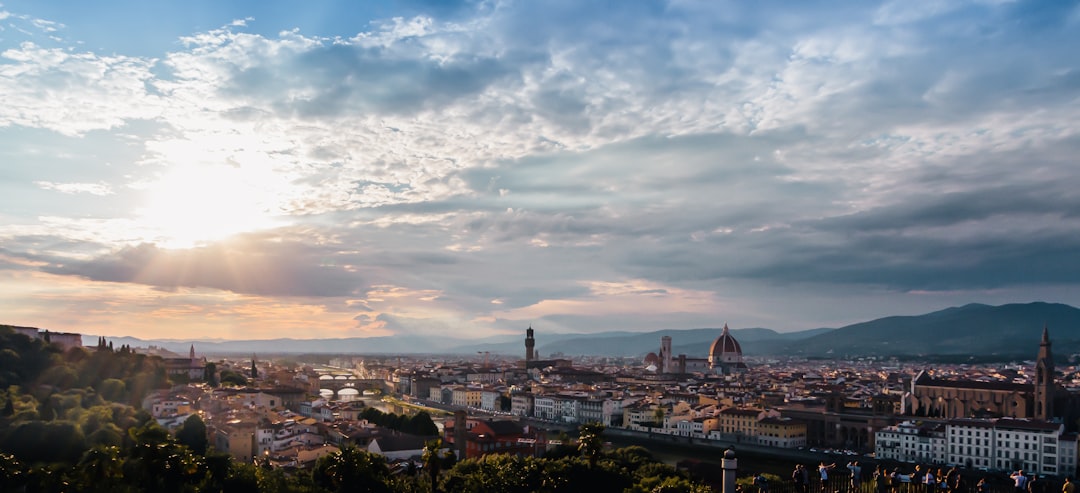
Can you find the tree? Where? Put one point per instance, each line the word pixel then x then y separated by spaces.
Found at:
pixel 112 389
pixel 193 434
pixel 12 474
pixel 432 462
pixel 498 472
pixel 591 442
pixel 99 469
pixel 157 463
pixel 352 470
pixel 229 377
pixel 211 374
pixel 422 424
pixel 659 415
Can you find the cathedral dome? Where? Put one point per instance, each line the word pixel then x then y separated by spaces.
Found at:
pixel 652 359
pixel 725 355
pixel 725 347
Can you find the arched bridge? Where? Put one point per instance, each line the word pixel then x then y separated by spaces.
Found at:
pixel 336 382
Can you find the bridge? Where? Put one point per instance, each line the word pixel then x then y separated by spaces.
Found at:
pixel 338 381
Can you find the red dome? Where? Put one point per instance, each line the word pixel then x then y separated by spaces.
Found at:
pixel 652 359
pixel 724 345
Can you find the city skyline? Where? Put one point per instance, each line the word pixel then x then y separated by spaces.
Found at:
pixel 261 170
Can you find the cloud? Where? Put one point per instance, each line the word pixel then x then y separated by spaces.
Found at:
pixel 73 93
pixel 101 189
pixel 263 268
pixel 571 161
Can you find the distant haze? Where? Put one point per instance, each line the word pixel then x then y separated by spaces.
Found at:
pixel 1007 331
pixel 459 170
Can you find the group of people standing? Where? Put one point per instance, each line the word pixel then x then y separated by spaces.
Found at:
pixel 886 481
pixel 801 476
pixel 921 480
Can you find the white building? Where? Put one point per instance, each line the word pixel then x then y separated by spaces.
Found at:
pixel 1001 444
pixel 611 414
pixel 521 404
pixel 1030 445
pixel 910 442
pixel 971 443
pixel 489 400
pixel 544 407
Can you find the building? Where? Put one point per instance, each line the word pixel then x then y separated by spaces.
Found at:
pixel 950 399
pixel 521 404
pixel 532 358
pixel 988 444
pixel 236 438
pixel 399 446
pixel 1044 380
pixel 970 442
pixel 736 421
pixel 665 362
pixel 530 346
pixel 665 355
pixel 1031 445
pixel 191 367
pixel 65 340
pixel 911 442
pixel 780 432
pixel 725 355
pixel 485 437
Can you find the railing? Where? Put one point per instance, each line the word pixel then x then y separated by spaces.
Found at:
pixel 842 484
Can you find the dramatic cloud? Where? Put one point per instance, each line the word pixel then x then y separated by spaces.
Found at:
pixel 472 168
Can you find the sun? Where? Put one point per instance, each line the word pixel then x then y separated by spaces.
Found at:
pixel 198 204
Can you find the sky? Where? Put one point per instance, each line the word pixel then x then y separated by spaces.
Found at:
pixel 259 169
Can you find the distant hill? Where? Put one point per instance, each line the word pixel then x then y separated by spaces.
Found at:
pixel 1007 330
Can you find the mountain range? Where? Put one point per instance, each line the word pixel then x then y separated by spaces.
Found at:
pixel 1011 330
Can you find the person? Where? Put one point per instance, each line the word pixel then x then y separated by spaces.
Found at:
pixel 1034 485
pixel 929 481
pixel 823 470
pixel 894 480
pixel 881 480
pixel 801 477
pixel 953 480
pixel 1068 487
pixel 982 487
pixel 761 483
pixel 957 485
pixel 950 477
pixel 1019 481
pixel 856 475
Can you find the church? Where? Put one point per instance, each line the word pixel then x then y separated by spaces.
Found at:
pixel 1041 399
pixel 725 358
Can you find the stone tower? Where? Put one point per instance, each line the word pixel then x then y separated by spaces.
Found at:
pixel 530 346
pixel 1044 380
pixel 665 355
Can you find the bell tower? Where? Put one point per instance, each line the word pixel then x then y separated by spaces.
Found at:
pixel 1044 380
pixel 530 346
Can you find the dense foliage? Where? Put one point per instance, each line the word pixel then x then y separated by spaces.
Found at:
pixel 58 405
pixel 154 461
pixel 417 424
